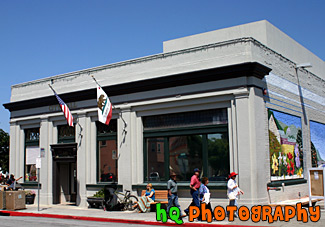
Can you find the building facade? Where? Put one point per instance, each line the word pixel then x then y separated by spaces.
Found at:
pixel 234 99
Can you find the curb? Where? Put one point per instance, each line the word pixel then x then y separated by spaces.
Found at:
pixel 98 219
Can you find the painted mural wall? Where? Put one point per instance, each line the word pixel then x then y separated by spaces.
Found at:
pixel 317 137
pixel 286 148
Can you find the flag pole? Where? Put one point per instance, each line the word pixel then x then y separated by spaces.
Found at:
pixel 52 88
pixel 120 114
pixel 57 97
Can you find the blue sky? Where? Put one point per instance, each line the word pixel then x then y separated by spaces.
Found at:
pixel 42 38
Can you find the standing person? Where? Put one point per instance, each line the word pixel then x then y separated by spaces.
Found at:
pixel 233 191
pixel 195 186
pixel 172 193
pixel 204 193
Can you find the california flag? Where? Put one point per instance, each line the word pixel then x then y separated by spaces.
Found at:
pixel 104 106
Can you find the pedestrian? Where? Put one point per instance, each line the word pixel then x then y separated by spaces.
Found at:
pixel 12 182
pixel 204 194
pixel 172 193
pixel 233 191
pixel 194 186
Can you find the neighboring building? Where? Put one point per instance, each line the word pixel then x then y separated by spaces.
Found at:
pixel 205 102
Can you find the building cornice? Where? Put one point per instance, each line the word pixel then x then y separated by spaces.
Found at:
pixel 249 69
pixel 89 71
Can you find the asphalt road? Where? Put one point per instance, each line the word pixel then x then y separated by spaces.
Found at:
pixel 6 221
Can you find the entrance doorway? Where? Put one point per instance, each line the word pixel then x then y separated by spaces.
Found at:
pixel 64 173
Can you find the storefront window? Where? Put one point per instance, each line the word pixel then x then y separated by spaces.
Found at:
pixel 185 154
pixel 156 159
pixel 218 156
pixel 201 141
pixel 107 152
pixel 32 151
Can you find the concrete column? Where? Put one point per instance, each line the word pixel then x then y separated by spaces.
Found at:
pixel 12 147
pixel 44 130
pixel 81 132
pixel 232 127
pixel 138 153
pixel 92 151
pixel 20 149
pixel 125 149
pixel 46 168
pixel 252 140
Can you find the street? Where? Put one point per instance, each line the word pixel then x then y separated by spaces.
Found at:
pixel 9 221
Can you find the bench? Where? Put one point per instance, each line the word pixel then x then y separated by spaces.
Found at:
pixel 161 196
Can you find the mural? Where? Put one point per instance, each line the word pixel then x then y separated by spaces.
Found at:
pixel 285 139
pixel 317 137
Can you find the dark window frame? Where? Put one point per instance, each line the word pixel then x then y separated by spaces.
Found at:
pixel 104 133
pixel 30 142
pixel 183 130
pixel 66 138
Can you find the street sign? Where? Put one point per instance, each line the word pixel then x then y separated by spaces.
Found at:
pixel 42 152
pixel 38 163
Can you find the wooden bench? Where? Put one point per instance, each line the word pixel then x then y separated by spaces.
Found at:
pixel 161 196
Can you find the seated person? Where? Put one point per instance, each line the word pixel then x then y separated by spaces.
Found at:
pixel 12 182
pixel 144 202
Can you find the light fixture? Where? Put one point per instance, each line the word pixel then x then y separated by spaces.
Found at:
pixel 304 65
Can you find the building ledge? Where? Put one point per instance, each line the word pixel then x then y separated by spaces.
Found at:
pixel 286 182
pixel 102 185
pixel 180 185
pixel 31 185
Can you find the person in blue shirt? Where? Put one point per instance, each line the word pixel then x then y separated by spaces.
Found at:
pixel 204 193
pixel 144 201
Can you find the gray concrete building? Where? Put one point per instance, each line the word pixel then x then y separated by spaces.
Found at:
pixel 235 99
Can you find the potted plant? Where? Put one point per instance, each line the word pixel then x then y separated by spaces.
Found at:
pixel 97 200
pixel 30 196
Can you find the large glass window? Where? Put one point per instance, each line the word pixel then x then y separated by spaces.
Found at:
pixel 218 156
pixel 107 151
pixel 199 142
pixel 185 154
pixel 156 158
pixel 32 151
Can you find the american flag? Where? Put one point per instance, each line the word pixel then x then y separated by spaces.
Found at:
pixel 65 109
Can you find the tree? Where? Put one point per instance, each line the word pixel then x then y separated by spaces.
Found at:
pixel 4 151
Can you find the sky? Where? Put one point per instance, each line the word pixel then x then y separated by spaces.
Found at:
pixel 43 38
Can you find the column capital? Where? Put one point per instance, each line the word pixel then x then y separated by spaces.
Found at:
pixel 81 115
pixel 13 122
pixel 44 118
pixel 241 94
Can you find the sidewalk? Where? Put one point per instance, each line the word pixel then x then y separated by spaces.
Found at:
pixel 132 217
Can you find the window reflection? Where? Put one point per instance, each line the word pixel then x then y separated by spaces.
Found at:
pixel 218 157
pixel 156 159
pixel 185 154
pixel 108 160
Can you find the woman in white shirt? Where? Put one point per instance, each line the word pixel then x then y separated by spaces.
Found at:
pixel 233 191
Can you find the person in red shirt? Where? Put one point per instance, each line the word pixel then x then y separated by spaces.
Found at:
pixel 195 186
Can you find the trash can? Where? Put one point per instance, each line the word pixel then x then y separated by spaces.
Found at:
pixel 110 198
